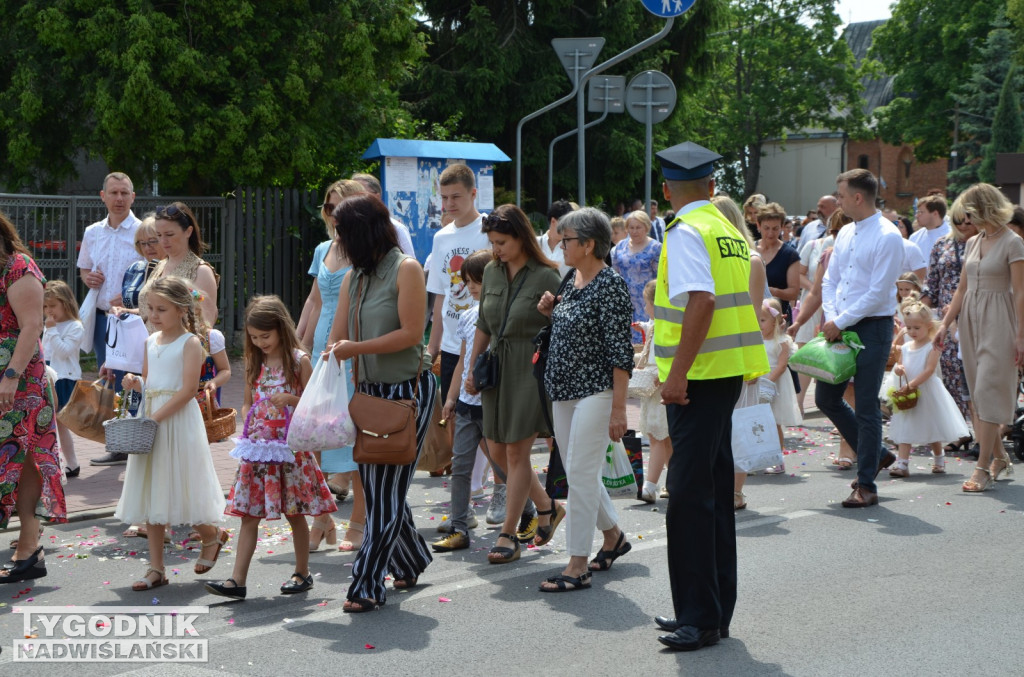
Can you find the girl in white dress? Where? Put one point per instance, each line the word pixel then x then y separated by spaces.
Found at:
pixel 936 418
pixel 779 347
pixel 653 415
pixel 175 483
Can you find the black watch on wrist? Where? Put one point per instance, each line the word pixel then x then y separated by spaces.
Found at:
pixel 10 373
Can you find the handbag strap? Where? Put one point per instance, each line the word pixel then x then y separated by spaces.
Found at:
pixel 508 308
pixel 355 365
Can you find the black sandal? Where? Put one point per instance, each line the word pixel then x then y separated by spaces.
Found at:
pixel 505 555
pixel 358 605
pixel 25 569
pixel 406 583
pixel 605 558
pixel 545 534
pixel 582 582
pixel 293 587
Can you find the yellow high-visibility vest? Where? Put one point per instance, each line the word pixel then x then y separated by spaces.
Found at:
pixel 734 345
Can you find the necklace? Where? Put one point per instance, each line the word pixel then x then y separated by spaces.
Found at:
pixel 161 347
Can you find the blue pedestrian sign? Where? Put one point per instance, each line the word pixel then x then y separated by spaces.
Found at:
pixel 667 9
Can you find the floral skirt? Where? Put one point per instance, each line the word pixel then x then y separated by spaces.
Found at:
pixel 270 490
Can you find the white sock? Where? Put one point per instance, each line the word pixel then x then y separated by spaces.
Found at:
pixel 650 487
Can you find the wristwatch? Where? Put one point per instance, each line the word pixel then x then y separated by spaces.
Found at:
pixel 10 373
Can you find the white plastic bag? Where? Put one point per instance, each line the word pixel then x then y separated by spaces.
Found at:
pixel 755 441
pixel 126 342
pixel 88 314
pixel 617 473
pixel 321 419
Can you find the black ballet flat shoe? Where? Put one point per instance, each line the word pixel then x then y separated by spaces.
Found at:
pixel 72 472
pixel 24 569
pixel 293 587
pixel 236 591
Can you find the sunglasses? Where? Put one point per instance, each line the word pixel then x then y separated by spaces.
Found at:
pixel 172 213
pixel 493 222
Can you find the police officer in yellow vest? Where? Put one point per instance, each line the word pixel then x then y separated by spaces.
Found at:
pixel 706 340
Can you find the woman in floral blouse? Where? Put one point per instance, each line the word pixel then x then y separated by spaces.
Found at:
pixel 588 369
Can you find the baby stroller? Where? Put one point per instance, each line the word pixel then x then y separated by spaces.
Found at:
pixel 1017 429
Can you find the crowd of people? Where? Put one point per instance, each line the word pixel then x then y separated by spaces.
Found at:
pixel 532 336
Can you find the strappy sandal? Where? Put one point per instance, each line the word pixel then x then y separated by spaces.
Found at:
pixel 347 545
pixel 207 564
pixel 605 558
pixel 140 531
pixel 972 486
pixel 405 583
pixel 317 533
pixel 1007 467
pixel 562 582
pixel 739 500
pixel 359 605
pixel 501 555
pixel 144 583
pixel 30 568
pixel 545 534
pixel 842 463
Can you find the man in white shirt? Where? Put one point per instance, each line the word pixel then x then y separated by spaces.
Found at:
pixel 452 244
pixel 549 241
pixel 859 295
pixel 814 230
pixel 372 185
pixel 931 224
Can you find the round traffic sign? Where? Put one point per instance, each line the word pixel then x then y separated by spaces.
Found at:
pixel 667 8
pixel 651 91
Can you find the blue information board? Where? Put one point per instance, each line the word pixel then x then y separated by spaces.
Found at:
pixel 667 8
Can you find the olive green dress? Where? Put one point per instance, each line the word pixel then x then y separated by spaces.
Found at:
pixel 512 410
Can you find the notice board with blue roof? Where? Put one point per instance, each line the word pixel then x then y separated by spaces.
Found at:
pixel 409 173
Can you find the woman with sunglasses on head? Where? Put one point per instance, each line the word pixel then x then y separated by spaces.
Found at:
pixel 180 239
pixel 329 267
pixel 513 285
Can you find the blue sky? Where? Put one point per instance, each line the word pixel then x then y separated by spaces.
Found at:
pixel 863 10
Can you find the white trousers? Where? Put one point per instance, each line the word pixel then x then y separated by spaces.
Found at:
pixel 581 428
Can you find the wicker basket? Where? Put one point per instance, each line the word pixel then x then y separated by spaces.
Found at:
pixel 904 397
pixel 220 422
pixel 130 434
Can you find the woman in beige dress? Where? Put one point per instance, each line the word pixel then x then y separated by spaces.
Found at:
pixel 178 232
pixel 988 307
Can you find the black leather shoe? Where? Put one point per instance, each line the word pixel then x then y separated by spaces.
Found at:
pixel 296 586
pixel 690 638
pixel 671 625
pixel 235 591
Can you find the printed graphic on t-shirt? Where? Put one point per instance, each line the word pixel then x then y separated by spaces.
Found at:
pixel 458 293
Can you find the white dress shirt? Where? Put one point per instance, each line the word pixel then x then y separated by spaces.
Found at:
pixel 404 238
pixel 109 251
pixel 689 263
pixel 861 277
pixel 925 239
pixel 913 259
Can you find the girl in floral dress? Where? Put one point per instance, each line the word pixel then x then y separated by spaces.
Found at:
pixel 278 371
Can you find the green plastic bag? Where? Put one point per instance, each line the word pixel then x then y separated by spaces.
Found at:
pixel 829 361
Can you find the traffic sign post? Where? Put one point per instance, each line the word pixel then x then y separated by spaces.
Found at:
pixel 577 55
pixel 650 98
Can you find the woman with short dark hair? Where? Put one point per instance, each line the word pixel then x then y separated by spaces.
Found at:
pixel 589 364
pixel 379 322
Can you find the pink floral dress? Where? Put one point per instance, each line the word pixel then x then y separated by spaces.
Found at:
pixel 270 490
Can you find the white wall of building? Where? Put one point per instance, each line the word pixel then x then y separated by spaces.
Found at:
pixel 797 173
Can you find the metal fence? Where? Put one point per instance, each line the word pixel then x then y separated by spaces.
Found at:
pixel 261 240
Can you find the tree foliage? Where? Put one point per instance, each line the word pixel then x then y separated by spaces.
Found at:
pixel 782 69
pixel 929 47
pixel 1007 127
pixel 492 60
pixel 215 93
pixel 976 100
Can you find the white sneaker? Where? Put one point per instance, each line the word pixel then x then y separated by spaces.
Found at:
pixel 649 493
pixel 496 511
pixel 477 493
pixel 445 527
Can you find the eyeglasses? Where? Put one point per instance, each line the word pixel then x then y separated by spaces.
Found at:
pixel 147 243
pixel 566 239
pixel 172 213
pixel 328 207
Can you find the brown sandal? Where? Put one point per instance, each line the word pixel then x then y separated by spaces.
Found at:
pixel 207 564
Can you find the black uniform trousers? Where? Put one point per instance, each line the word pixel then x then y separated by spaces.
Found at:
pixel 700 520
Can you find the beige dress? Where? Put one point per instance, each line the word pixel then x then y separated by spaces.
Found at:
pixel 988 326
pixel 186 270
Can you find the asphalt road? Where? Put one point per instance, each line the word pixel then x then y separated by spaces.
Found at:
pixel 926 583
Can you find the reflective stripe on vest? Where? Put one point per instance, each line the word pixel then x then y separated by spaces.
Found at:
pixel 733 345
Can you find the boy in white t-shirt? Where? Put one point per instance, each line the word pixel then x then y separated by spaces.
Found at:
pixel 452 244
pixel 551 241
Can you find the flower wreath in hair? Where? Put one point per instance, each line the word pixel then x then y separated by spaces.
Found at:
pixel 197 295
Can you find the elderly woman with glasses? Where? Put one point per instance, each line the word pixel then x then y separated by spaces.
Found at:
pixel 147 244
pixel 513 413
pixel 589 364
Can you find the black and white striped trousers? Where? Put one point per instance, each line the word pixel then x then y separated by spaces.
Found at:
pixel 391 543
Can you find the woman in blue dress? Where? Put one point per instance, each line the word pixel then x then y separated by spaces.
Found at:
pixel 635 259
pixel 329 268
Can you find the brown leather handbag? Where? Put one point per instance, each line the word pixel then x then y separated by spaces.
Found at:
pixel 385 429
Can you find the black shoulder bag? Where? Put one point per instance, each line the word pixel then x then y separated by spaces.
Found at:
pixel 487 371
pixel 543 338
